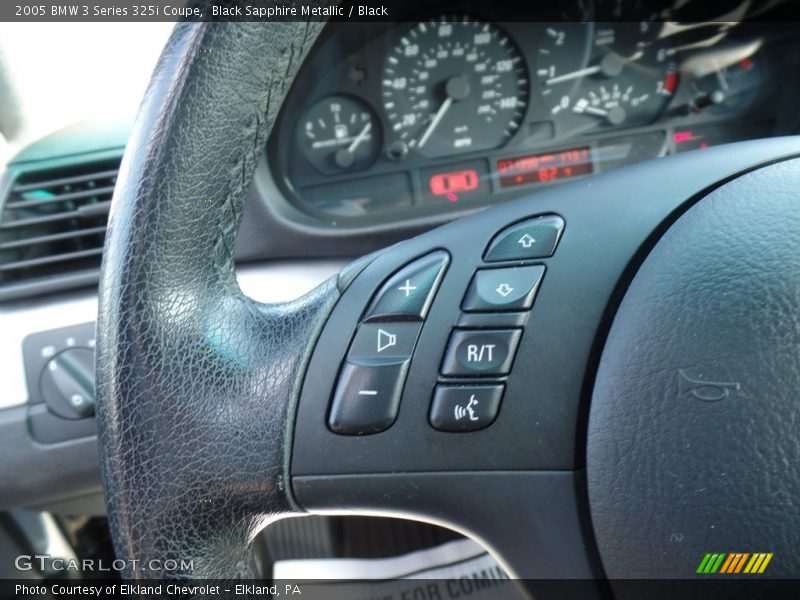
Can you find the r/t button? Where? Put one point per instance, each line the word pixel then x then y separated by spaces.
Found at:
pixel 481 352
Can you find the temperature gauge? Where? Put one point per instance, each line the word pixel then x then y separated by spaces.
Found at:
pixel 727 82
pixel 339 133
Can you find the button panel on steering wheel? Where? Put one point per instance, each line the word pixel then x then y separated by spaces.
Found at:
pixel 367 397
pixel 431 351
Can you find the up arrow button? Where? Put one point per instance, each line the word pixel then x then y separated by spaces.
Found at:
pixel 534 238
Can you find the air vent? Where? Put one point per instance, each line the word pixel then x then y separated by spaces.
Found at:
pixel 53 225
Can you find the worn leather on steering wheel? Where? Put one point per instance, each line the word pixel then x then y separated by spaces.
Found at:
pixel 195 381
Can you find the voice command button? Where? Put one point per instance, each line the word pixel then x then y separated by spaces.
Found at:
pixel 465 407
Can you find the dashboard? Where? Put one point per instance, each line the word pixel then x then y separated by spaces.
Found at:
pixel 388 122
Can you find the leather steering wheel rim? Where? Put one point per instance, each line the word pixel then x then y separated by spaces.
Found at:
pixel 227 368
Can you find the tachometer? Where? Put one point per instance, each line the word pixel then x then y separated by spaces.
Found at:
pixel 563 51
pixel 454 85
pixel 605 73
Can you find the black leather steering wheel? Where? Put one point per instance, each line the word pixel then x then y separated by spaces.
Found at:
pixel 629 406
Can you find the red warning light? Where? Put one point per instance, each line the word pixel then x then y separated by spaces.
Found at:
pixel 670 83
pixel 682 136
pixel 450 184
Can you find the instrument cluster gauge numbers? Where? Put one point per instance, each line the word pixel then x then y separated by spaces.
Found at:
pixel 453 85
pixel 339 134
pixel 561 56
pixel 608 73
pixel 625 101
pixel 630 80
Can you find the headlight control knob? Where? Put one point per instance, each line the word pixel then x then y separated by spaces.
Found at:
pixel 67 383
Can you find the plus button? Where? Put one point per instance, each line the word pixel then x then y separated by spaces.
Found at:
pixel 407 288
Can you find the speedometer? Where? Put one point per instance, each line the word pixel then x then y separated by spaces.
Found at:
pixel 454 85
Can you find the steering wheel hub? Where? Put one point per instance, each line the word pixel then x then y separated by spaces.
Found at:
pixel 694 419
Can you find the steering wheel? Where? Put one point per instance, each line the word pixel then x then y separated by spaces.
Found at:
pixel 598 380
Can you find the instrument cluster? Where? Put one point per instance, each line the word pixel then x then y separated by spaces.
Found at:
pixel 392 121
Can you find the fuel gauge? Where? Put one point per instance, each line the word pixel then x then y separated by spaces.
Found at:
pixel 339 133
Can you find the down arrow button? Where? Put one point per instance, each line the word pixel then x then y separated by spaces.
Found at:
pixel 512 288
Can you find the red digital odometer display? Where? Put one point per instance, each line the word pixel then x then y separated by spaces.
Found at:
pixel 544 168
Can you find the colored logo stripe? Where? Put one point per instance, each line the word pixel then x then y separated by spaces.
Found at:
pixel 711 563
pixel 758 563
pixel 734 563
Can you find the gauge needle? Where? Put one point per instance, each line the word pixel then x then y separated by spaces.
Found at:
pixel 457 89
pixel 573 75
pixel 600 112
pixel 345 157
pixel 360 138
pixel 611 65
pixel 615 115
pixel 436 120
pixel 723 81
